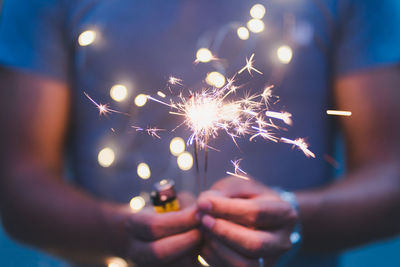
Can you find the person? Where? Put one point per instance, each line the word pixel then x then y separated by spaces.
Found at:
pixel 55 195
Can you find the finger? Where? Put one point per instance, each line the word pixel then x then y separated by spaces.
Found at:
pixel 255 212
pixel 148 225
pixel 165 250
pixel 234 187
pixel 249 242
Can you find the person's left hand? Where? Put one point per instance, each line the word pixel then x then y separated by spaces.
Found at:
pixel 244 221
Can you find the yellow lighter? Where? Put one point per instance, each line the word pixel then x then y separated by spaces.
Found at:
pixel 164 196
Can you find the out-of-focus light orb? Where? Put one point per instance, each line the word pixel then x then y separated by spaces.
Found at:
pixel 177 146
pixel 243 33
pixel 215 79
pixel 137 203
pixel 118 92
pixel 255 25
pixel 143 170
pixel 185 161
pixel 106 157
pixel 204 55
pixel 116 262
pixel 257 11
pixel 140 100
pixel 202 261
pixel 86 38
pixel 285 54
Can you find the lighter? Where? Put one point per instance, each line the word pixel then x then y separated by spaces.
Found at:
pixel 164 196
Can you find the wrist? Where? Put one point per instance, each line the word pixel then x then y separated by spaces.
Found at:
pixel 296 234
pixel 115 230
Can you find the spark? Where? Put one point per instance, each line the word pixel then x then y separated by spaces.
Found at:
pixel 103 108
pixel 173 81
pixel 152 131
pixel 301 144
pixel 286 117
pixel 161 94
pixel 266 134
pixel 267 94
pixel 338 112
pixel 238 175
pixel 236 165
pixel 249 66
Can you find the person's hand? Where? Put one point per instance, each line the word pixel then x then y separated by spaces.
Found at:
pixel 244 221
pixel 164 239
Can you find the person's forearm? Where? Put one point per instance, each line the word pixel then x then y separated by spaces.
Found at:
pixel 43 211
pixel 363 206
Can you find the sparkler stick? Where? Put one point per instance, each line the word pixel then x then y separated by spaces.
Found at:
pixel 205 163
pixel 196 160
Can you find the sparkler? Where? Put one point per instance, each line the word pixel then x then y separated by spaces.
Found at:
pixel 210 111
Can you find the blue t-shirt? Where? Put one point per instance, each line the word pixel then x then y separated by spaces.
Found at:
pixel 141 43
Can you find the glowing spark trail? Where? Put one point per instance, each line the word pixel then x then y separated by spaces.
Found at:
pixel 173 80
pixel 267 94
pixel 338 112
pixel 300 144
pixel 238 171
pixel 152 131
pixel 283 116
pixel 161 94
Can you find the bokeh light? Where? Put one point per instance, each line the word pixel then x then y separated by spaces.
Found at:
pixel 116 262
pixel 185 161
pixel 285 54
pixel 215 79
pixel 177 146
pixel 257 11
pixel 204 55
pixel 143 171
pixel 106 157
pixel 243 33
pixel 202 261
pixel 118 92
pixel 137 203
pixel 140 100
pixel 86 38
pixel 255 25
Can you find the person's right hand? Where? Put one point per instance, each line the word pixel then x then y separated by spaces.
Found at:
pixel 164 239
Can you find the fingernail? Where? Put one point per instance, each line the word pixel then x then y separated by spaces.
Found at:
pixel 208 221
pixel 204 205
